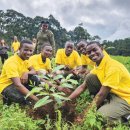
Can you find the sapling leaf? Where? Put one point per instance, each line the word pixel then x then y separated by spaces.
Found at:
pixel 43 102
pixel 52 89
pixel 73 81
pixel 58 77
pixel 58 100
pixel 58 68
pixel 55 95
pixel 61 93
pixel 42 94
pixel 44 77
pixel 69 76
pixel 63 80
pixel 66 85
pixel 46 86
pixel 34 90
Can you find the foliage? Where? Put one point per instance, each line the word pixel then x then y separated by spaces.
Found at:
pixel 14 23
pixel 50 93
pixel 118 47
pixel 58 124
pixel 83 101
pixel 93 119
pixel 79 33
pixel 120 126
pixel 14 118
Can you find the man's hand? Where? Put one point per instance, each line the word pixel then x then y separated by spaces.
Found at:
pixel 65 90
pixel 24 78
pixel 67 68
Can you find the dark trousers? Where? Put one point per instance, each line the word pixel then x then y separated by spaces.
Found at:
pixel 115 108
pixel 12 94
pixel 3 57
pixel 94 85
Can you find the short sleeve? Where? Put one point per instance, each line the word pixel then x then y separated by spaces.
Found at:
pixel 11 70
pixel 78 59
pixel 83 59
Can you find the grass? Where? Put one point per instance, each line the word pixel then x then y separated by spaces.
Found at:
pixel 124 60
pixel 13 117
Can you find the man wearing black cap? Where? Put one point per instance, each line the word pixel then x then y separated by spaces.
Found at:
pixel 45 35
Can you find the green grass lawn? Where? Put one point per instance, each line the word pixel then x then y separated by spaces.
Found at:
pixel 15 118
pixel 123 60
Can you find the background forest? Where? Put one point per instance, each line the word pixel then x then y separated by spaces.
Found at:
pixel 14 23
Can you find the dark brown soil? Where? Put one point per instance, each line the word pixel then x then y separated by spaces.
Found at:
pixel 68 112
pixel 41 112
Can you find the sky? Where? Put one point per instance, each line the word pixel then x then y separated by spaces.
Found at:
pixel 106 18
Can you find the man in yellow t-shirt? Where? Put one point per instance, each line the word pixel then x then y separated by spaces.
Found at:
pixel 68 57
pixel 15 75
pixel 86 61
pixel 41 61
pixel 109 79
pixel 15 45
pixel 81 48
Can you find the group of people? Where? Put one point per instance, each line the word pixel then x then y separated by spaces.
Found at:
pixel 107 79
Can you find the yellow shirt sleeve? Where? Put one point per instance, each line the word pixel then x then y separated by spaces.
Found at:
pixel 83 59
pixel 58 57
pixel 33 62
pixel 78 59
pixel 11 70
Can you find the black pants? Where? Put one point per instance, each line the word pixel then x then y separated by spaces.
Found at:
pixel 12 94
pixel 3 57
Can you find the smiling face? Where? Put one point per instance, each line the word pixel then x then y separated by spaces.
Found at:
pixel 26 51
pixel 95 53
pixel 69 47
pixel 81 47
pixel 46 52
pixel 44 26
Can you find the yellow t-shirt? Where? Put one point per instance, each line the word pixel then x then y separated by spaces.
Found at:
pixel 15 46
pixel 13 67
pixel 37 63
pixel 73 60
pixel 86 61
pixel 113 74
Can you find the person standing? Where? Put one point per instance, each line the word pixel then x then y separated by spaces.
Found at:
pixel 43 36
pixel 15 45
pixel 3 51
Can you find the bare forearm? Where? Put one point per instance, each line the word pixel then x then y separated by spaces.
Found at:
pixel 77 92
pixel 22 88
pixel 99 99
pixel 25 91
pixel 101 96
